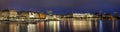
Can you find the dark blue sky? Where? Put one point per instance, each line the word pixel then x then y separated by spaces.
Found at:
pixel 63 6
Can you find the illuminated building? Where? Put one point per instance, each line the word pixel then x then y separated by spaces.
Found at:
pixel 42 16
pixel 53 17
pixel 33 14
pixel 28 14
pixel 10 13
pixel 49 15
pixel 4 13
pixel 82 15
pixel 13 13
pixel 23 14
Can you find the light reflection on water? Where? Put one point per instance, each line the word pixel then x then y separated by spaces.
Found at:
pixel 81 25
pixel 63 26
pixel 100 26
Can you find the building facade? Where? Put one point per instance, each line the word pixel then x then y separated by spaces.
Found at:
pixel 13 13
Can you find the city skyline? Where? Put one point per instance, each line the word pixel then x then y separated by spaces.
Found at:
pixel 59 15
pixel 62 6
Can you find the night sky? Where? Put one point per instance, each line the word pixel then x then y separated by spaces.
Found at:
pixel 63 6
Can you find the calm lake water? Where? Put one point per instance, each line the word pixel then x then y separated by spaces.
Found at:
pixel 63 26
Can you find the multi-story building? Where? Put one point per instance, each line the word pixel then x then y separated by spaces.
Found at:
pixel 82 15
pixel 42 16
pixel 13 13
pixel 53 17
pixel 23 14
pixel 8 13
pixel 33 14
pixel 87 16
pixel 28 14
pixel 4 14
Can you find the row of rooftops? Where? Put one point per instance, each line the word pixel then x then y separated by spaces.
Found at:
pixel 23 11
pixel 41 12
pixel 7 10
